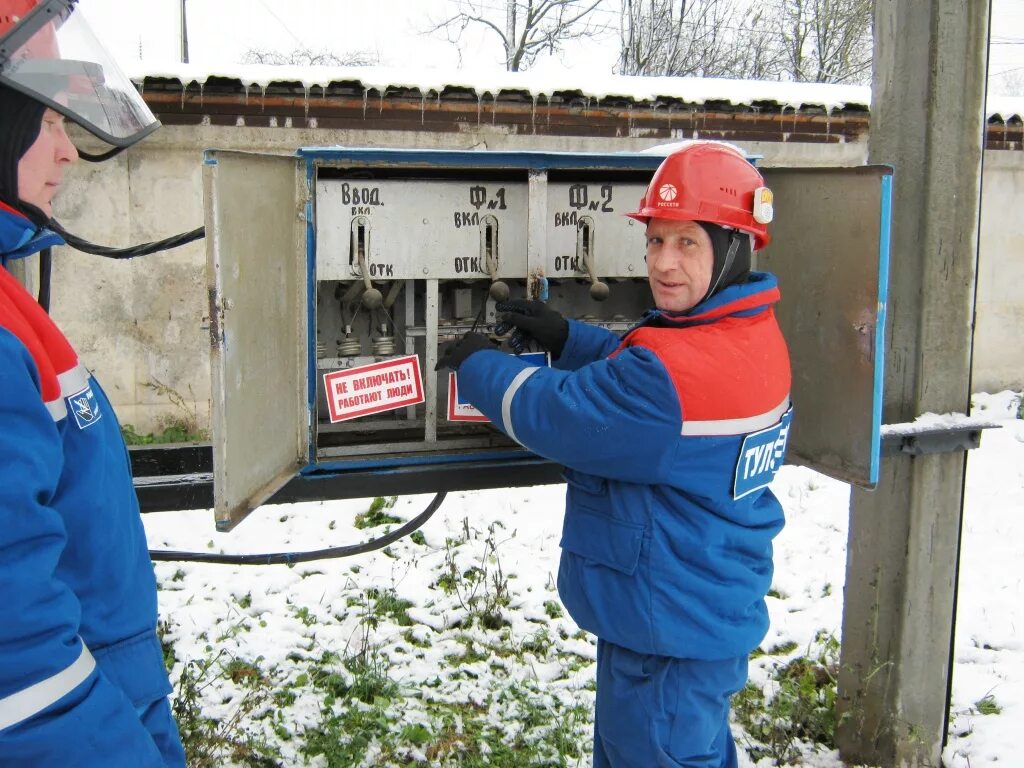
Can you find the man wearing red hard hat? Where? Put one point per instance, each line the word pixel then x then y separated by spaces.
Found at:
pixel 82 677
pixel 670 436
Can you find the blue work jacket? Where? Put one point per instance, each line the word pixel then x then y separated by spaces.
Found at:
pixel 670 436
pixel 81 667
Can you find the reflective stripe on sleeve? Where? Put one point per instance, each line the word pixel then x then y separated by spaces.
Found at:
pixel 58 410
pixel 736 426
pixel 71 383
pixel 34 699
pixel 506 400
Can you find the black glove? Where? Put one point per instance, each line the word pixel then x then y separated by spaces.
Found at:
pixel 532 319
pixel 453 353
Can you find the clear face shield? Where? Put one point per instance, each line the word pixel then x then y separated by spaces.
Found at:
pixel 52 56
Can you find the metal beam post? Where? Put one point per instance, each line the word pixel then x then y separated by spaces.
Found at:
pixel 927 120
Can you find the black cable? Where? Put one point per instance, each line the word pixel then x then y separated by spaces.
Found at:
pixel 277 558
pixel 144 249
pixel 100 157
pixel 479 316
pixel 45 265
pixel 85 246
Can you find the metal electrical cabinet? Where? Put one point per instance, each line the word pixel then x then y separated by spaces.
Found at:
pixel 334 275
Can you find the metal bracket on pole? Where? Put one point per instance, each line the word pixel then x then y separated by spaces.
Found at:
pixel 915 440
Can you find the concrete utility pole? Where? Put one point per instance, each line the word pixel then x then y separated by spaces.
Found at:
pixel 184 34
pixel 510 33
pixel 927 120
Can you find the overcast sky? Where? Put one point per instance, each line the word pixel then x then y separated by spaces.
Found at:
pixel 220 31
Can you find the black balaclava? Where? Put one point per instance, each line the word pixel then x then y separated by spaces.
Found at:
pixel 20 121
pixel 726 272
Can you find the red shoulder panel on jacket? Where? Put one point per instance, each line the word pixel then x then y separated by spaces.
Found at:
pixel 5 207
pixel 753 301
pixel 21 315
pixel 734 368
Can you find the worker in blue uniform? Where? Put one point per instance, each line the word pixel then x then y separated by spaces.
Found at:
pixel 670 436
pixel 82 677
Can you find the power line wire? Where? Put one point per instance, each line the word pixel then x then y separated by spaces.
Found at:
pixel 280 21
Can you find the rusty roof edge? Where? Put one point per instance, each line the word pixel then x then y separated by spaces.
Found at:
pixel 639 90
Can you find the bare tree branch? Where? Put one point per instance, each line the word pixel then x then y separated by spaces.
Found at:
pixel 701 38
pixel 309 57
pixel 529 26
pixel 826 41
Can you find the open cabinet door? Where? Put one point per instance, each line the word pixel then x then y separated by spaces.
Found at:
pixel 256 212
pixel 830 251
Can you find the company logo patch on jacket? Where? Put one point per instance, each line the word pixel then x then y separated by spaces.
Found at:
pixel 761 455
pixel 85 407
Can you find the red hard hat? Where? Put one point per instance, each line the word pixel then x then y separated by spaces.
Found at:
pixel 709 181
pixel 49 53
pixel 43 44
pixel 12 11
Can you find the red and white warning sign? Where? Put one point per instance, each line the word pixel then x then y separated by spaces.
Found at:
pixel 460 410
pixel 375 388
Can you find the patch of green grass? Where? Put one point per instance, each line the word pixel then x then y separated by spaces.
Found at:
pixel 365 717
pixel 181 427
pixel 233 629
pixel 343 738
pixel 801 709
pixel 446 582
pixel 377 514
pixel 552 609
pixel 539 643
pixel 357 695
pixel 173 431
pixel 241 671
pixel 988 705
pixel 471 654
pixel 370 680
pixel 782 649
pixel 163 632
pixel 481 587
pixel 543 732
pixel 388 603
pixel 410 637
pixel 213 742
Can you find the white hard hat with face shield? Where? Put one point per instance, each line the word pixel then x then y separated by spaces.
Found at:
pixel 49 53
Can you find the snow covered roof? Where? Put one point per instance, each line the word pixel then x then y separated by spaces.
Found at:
pixel 1006 108
pixel 543 84
pixel 693 90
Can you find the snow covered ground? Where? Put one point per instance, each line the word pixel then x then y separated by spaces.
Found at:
pixel 989 654
pixel 451 648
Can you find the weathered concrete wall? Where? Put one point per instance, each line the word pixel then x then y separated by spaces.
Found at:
pixel 999 312
pixel 140 325
pixel 137 324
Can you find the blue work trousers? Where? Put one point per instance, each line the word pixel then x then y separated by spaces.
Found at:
pixel 160 723
pixel 663 712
